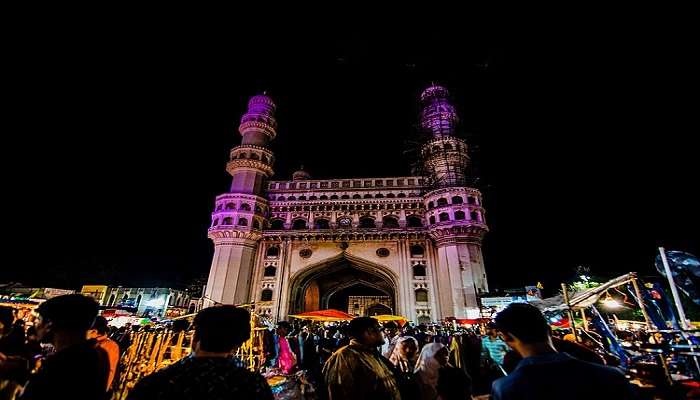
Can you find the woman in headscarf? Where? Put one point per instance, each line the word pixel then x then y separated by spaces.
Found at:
pixel 433 357
pixel 403 357
pixel 404 354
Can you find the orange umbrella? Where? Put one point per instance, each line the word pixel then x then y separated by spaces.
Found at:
pixel 384 318
pixel 324 315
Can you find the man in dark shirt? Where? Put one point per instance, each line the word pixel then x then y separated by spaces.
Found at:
pixel 77 370
pixel 357 371
pixel 210 372
pixel 544 373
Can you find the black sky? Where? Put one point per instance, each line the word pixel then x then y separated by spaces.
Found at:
pixel 582 134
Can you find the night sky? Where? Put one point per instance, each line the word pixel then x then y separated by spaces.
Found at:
pixel 581 135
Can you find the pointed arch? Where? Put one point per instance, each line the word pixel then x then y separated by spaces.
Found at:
pixel 300 223
pixel 301 280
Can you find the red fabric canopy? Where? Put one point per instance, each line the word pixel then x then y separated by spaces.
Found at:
pixel 561 324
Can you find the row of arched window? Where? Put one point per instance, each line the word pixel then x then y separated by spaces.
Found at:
pixel 348 207
pixel 252 156
pixel 458 216
pixel 388 222
pixel 416 251
pixel 228 221
pixel 455 200
pixel 446 147
pixel 258 118
pixel 344 197
pixel 243 207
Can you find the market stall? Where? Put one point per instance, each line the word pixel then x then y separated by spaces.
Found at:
pixel 654 349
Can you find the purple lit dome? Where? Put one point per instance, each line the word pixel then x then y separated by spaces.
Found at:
pixel 301 175
pixel 261 99
pixel 434 92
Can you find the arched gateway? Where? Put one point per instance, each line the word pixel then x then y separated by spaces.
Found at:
pixel 346 283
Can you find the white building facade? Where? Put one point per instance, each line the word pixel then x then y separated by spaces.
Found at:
pixel 408 245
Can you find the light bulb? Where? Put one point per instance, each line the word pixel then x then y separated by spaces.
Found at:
pixel 609 302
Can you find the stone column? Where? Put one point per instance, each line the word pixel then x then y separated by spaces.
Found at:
pixel 232 266
pixel 283 280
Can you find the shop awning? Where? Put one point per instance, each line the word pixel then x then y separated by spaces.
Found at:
pixel 324 316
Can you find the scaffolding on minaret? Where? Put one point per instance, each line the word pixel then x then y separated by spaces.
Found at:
pixel 439 152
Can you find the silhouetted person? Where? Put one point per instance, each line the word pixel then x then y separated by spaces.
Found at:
pixel 210 372
pixel 7 317
pixel 493 346
pixel 453 384
pixel 14 369
pixel 404 357
pixel 307 349
pixel 391 336
pixel 33 344
pixel 433 357
pixel 544 373
pixel 123 338
pixel 326 346
pixel 11 334
pixel 580 352
pixel 77 370
pixel 16 339
pixel 98 332
pixel 357 371
pixel 286 348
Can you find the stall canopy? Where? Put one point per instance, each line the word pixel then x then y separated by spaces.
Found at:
pixel 582 299
pixel 386 318
pixel 324 316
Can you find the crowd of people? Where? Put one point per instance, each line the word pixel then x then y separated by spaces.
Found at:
pixel 79 362
pixel 68 353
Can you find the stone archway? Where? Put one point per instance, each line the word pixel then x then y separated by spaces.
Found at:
pixel 333 282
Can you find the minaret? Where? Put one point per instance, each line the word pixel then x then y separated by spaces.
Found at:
pixel 251 162
pixel 240 215
pixel 445 155
pixel 455 216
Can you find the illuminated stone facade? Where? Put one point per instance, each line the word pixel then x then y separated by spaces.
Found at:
pixel 412 242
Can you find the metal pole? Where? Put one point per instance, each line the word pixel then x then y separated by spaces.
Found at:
pixel 585 321
pixel 640 300
pixel 679 306
pixel 674 290
pixel 569 311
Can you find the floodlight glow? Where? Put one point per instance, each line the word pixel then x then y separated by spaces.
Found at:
pixel 611 303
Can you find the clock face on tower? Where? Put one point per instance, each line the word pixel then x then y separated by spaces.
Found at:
pixel 345 222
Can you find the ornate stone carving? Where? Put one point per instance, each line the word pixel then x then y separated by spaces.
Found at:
pixel 232 165
pixel 383 252
pixel 305 253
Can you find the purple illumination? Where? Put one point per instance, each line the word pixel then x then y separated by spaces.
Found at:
pixel 438 116
pixel 251 162
pixel 260 109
